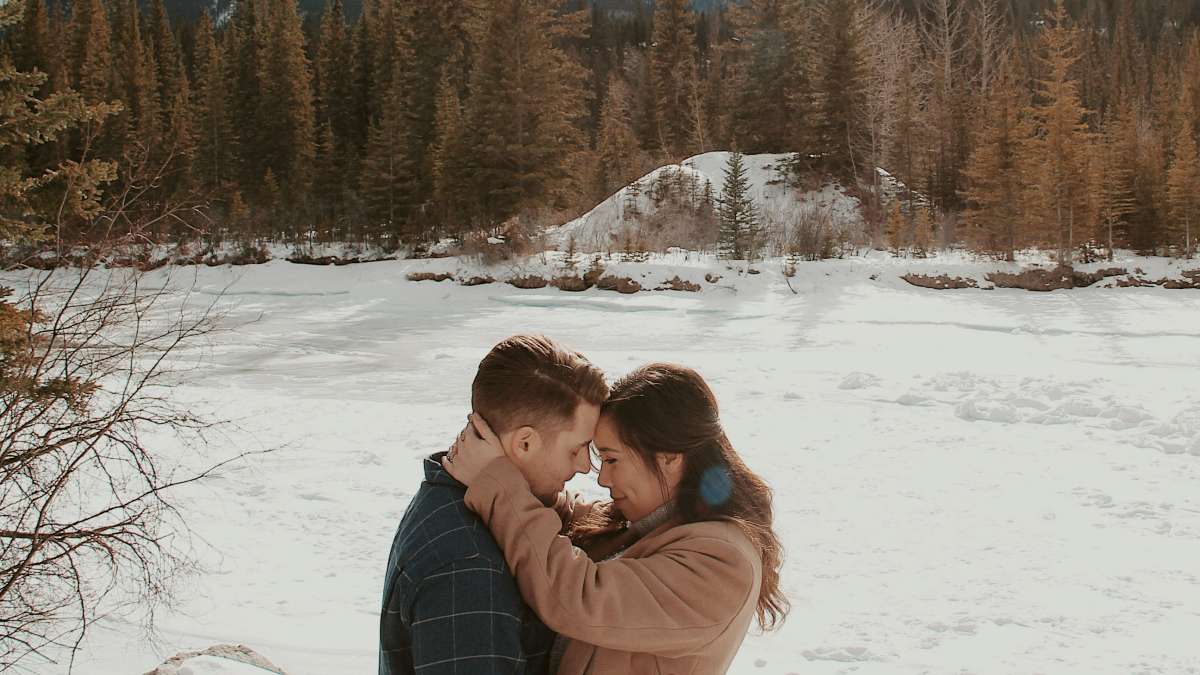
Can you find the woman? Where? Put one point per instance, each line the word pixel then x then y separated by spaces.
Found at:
pixel 680 561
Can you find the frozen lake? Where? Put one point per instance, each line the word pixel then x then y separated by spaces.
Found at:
pixel 966 482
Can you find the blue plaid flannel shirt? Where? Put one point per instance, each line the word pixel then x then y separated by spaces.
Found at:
pixel 450 604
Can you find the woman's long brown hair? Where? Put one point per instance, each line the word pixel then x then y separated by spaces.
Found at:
pixel 668 408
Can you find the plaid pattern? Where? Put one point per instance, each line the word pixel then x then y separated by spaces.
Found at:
pixel 450 604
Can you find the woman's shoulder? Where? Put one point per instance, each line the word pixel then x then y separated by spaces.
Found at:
pixel 717 535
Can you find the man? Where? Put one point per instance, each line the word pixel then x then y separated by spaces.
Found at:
pixel 450 604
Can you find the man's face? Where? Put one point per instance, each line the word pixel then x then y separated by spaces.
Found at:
pixel 563 453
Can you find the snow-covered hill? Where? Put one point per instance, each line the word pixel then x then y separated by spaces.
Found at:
pixel 631 206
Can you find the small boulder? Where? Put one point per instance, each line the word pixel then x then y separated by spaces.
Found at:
pixel 623 285
pixel 429 276
pixel 941 282
pixel 530 281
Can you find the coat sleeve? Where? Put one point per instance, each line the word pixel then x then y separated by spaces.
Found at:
pixel 670 603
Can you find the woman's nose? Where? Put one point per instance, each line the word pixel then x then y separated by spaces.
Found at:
pixel 604 478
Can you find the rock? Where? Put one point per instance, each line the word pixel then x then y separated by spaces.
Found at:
pixel 478 281
pixel 677 284
pixel 528 282
pixel 1178 283
pixel 429 276
pixel 1036 279
pixel 570 283
pixel 240 659
pixel 941 282
pixel 712 278
pixel 619 284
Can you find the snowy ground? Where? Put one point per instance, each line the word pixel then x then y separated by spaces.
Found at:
pixel 966 481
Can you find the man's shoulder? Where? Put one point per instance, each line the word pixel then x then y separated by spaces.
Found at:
pixel 438 530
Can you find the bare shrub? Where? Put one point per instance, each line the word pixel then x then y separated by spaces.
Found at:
pixel 815 234
pixel 515 238
pixel 87 361
pixel 85 514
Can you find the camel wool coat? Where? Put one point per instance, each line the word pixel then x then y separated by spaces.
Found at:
pixel 677 602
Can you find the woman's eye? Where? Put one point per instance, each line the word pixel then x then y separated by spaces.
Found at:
pixel 610 461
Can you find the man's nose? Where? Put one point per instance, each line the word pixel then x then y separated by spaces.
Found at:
pixel 583 464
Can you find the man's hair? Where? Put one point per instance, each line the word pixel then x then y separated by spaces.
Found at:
pixel 530 380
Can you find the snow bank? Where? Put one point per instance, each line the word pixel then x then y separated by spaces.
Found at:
pixel 218 660
pixel 601 228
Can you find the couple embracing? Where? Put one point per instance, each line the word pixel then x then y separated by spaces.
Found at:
pixel 495 569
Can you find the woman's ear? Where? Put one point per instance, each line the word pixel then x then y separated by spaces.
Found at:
pixel 670 464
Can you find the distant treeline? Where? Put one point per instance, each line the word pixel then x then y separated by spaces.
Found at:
pixel 1010 123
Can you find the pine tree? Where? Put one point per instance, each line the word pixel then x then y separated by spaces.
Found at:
pixel 840 87
pixel 214 162
pixel 1115 182
pixel 334 115
pixel 448 154
pixel 33 48
pixel 1189 99
pixel 174 95
pixel 673 65
pixel 1183 190
pixel 993 173
pixel 1057 150
pixel 171 77
pixel 288 144
pixel 135 80
pixel 523 114
pixel 922 230
pixel 736 212
pixel 247 49
pixel 1128 74
pixel 361 75
pixel 616 144
pixel 904 153
pixel 772 82
pixel 386 177
pixel 896 228
pixel 93 51
pixel 437 33
pixel 944 29
pixel 29 203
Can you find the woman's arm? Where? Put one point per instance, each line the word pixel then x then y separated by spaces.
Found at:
pixel 670 603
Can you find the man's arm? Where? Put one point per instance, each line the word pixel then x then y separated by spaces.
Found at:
pixel 466 618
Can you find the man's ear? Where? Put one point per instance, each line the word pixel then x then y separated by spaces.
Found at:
pixel 526 442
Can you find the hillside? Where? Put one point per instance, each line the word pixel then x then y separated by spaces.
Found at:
pixel 631 209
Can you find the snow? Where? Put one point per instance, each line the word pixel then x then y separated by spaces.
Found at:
pixel 212 665
pixel 600 228
pixel 965 481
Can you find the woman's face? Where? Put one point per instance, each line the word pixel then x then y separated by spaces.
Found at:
pixel 635 487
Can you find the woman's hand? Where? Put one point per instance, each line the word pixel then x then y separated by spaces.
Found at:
pixel 476 446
